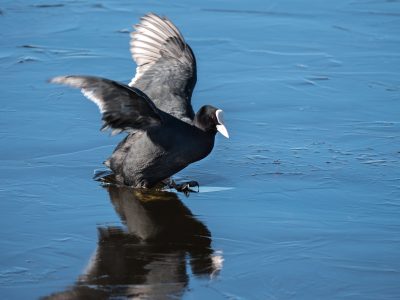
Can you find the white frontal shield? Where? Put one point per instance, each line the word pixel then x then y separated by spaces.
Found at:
pixel 221 126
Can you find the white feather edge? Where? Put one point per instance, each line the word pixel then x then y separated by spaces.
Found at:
pixel 139 72
pixel 77 82
pixel 90 94
pixel 147 41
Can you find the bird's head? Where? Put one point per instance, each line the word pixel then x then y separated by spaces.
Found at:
pixel 211 119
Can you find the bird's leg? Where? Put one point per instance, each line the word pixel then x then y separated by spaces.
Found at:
pixel 185 187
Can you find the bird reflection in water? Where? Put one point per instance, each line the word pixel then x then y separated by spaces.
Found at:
pixel 148 257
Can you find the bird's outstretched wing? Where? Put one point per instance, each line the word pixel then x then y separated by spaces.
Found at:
pixel 122 107
pixel 166 65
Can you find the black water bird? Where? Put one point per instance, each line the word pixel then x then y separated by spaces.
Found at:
pixel 164 133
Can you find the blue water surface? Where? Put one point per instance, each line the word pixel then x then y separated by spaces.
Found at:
pixel 302 202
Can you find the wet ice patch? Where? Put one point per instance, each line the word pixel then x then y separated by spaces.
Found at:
pixel 210 189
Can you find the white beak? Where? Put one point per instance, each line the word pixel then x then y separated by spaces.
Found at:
pixel 221 126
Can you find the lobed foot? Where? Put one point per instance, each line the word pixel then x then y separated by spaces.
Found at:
pixel 184 187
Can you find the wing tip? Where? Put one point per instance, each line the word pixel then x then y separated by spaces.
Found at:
pixel 57 79
pixel 152 14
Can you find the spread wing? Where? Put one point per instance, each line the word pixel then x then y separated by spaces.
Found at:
pixel 166 66
pixel 122 107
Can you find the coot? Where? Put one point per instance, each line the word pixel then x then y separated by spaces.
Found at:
pixel 164 133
